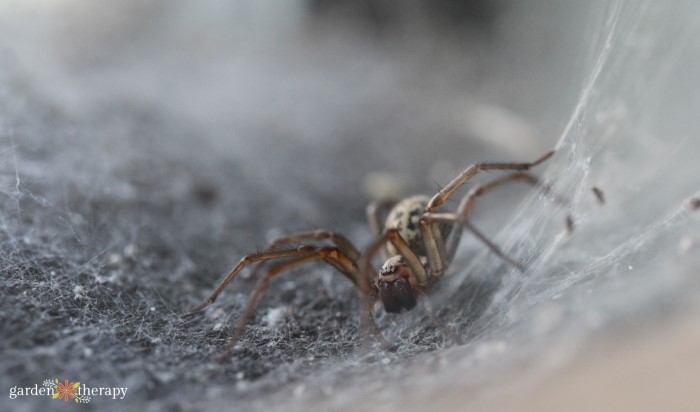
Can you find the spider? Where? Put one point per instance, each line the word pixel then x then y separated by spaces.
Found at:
pixel 417 243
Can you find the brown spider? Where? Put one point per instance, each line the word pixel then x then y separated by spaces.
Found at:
pixel 417 243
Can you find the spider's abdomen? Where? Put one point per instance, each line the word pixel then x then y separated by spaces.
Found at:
pixel 405 217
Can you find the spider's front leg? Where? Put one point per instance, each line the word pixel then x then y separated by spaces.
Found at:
pixel 439 255
pixel 367 318
pixel 472 170
pixel 466 206
pixel 464 211
pixel 419 276
pixel 428 305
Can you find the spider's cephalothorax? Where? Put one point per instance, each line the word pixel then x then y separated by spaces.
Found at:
pixel 417 242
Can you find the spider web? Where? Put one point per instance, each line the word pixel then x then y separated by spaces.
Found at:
pixel 630 262
pixel 101 253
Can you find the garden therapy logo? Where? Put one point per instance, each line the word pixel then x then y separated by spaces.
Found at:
pixel 67 391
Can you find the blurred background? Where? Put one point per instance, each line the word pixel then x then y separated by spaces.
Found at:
pixel 145 146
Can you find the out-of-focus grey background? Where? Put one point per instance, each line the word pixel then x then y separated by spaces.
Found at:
pixel 146 146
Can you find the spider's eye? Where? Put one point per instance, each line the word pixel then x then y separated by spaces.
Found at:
pixel 397 295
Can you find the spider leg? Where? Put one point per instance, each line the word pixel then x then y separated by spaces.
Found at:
pixel 472 170
pixel 434 246
pixel 255 257
pixel 428 304
pixel 437 253
pixel 339 240
pixel 375 212
pixel 464 222
pixel 466 206
pixel 419 276
pixel 468 201
pixel 331 255
pixel 440 254
pixel 368 319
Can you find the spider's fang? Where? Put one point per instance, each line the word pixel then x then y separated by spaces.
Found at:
pixel 397 295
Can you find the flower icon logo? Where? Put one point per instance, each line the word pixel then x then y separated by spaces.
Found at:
pixel 66 390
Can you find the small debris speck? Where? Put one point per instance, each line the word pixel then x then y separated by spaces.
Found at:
pixel 129 250
pixel 570 225
pixel 115 258
pixel 78 291
pixel 599 195
pixel 275 316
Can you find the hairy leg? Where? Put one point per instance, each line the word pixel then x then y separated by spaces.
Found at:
pixel 375 216
pixel 375 212
pixel 428 304
pixel 466 206
pixel 339 240
pixel 331 255
pixel 472 170
pixel 420 276
pixel 434 247
pixel 255 257
pixel 465 223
